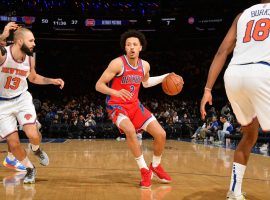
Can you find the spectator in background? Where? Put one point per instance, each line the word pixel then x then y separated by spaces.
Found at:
pixel 227 129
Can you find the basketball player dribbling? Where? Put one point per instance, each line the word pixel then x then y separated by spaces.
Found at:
pixel 124 76
pixel 16 65
pixel 247 80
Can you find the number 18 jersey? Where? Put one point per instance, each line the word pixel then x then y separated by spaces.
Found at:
pixel 253 42
pixel 13 76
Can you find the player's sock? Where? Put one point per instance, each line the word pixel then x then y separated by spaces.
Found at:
pixel 238 172
pixel 10 156
pixel 34 147
pixel 156 160
pixel 141 162
pixel 27 163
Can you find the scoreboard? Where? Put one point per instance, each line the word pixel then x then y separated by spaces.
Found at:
pixel 79 24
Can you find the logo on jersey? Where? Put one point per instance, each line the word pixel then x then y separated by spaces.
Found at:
pixel 131 79
pixel 27 116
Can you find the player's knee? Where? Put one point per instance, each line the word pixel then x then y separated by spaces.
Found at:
pixel 34 136
pixel 163 134
pixel 130 131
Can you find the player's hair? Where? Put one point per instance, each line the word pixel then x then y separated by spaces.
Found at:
pixel 133 33
pixel 19 33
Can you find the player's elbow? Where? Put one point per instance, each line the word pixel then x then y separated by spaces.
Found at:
pixel 32 79
pixel 145 84
pixel 98 86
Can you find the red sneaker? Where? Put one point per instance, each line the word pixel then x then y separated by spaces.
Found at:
pixel 160 174
pixel 146 178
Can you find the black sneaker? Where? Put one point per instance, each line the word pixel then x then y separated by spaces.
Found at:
pixel 30 176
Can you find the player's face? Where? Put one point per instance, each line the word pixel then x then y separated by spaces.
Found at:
pixel 28 44
pixel 133 47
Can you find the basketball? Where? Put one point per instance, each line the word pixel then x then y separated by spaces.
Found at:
pixel 172 84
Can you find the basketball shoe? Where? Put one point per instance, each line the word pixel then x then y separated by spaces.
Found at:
pixel 160 173
pixel 146 178
pixel 231 196
pixel 42 156
pixel 30 176
pixel 14 164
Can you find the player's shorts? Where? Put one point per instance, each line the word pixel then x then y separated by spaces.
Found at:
pixel 248 90
pixel 21 109
pixel 136 112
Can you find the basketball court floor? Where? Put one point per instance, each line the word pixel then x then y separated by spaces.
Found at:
pixel 105 169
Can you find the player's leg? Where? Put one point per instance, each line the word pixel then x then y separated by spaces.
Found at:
pixel 11 162
pixel 127 127
pixel 34 137
pixel 143 119
pixel 18 151
pixel 240 91
pixel 241 156
pixel 159 135
pixel 27 118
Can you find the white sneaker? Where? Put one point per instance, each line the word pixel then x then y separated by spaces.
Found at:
pixel 231 196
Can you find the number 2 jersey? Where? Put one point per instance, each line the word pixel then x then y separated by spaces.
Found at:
pixel 13 75
pixel 253 42
pixel 129 79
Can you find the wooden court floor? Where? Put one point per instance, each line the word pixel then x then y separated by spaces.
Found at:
pixel 105 169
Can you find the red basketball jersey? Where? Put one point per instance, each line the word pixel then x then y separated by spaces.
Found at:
pixel 130 79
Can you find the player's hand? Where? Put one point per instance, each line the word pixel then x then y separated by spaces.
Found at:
pixel 123 94
pixel 207 98
pixel 10 26
pixel 58 81
pixel 182 80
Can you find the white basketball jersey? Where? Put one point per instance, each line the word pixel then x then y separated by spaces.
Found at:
pixel 13 76
pixel 253 40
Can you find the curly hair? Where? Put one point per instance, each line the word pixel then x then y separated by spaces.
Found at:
pixel 133 33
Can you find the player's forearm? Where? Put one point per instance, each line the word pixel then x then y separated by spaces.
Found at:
pixel 2 37
pixel 152 81
pixel 215 69
pixel 104 89
pixel 41 80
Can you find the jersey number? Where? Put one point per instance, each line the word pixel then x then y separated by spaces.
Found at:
pixel 132 88
pixel 259 32
pixel 12 83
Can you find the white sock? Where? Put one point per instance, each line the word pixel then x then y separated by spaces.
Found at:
pixel 156 160
pixel 10 156
pixel 141 162
pixel 27 163
pixel 238 172
pixel 34 147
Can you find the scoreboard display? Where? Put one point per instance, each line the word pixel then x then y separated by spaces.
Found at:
pixel 79 24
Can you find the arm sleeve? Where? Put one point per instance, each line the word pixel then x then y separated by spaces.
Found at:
pixel 152 81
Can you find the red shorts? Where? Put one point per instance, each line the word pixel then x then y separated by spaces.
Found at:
pixel 136 112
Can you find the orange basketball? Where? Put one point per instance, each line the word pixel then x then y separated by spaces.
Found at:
pixel 172 84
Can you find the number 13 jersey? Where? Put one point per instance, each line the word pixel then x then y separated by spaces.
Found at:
pixel 253 42
pixel 13 75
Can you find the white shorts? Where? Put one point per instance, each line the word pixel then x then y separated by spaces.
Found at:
pixel 20 109
pixel 248 90
pixel 144 126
